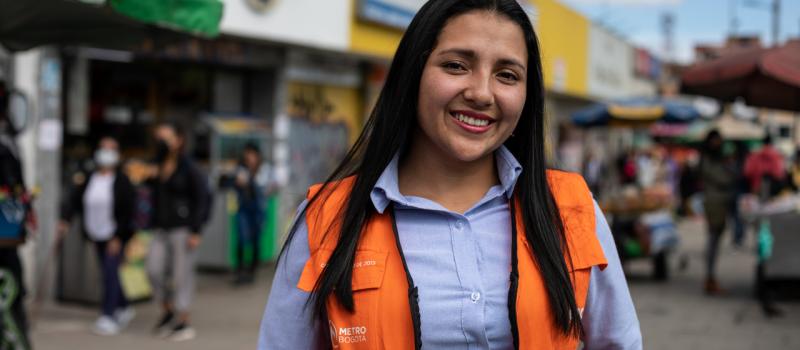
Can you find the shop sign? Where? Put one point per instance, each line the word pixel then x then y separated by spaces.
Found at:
pixel 646 65
pixel 610 64
pixel 392 13
pixel 308 23
pixel 260 6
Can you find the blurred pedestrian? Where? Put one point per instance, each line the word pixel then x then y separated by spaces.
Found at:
pixel 689 183
pixel 594 170
pixel 15 201
pixel 718 192
pixel 766 164
pixel 181 201
pixel 626 167
pixel 442 227
pixel 252 183
pixel 104 203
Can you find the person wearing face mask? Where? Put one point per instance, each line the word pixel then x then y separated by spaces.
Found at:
pixel 181 203
pixel 103 202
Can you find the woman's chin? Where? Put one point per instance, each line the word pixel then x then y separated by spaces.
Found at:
pixel 470 153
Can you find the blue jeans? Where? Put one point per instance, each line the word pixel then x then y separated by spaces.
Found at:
pixel 250 223
pixel 113 296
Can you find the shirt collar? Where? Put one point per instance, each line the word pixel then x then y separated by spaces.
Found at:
pixel 386 189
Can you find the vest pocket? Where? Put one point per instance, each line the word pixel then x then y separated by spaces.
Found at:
pixel 369 267
pixel 351 330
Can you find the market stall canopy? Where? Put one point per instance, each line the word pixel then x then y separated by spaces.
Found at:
pixel 729 127
pixel 636 111
pixel 107 23
pixel 768 78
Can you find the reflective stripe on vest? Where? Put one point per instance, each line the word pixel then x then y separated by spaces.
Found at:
pixel 383 318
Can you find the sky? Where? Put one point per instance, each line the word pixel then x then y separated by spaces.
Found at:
pixel 695 21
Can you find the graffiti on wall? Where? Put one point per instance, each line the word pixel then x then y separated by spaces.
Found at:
pixel 323 121
pixel 316 149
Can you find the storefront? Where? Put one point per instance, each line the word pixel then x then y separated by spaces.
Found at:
pixel 83 71
pixel 197 83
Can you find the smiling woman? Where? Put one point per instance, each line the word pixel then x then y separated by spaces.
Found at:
pixel 472 242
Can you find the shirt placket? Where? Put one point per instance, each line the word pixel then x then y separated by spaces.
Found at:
pixel 472 305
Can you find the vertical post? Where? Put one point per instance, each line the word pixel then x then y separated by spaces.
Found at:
pixel 776 20
pixel 734 20
pixel 48 160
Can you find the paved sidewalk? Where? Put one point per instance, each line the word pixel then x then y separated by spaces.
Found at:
pixel 225 317
pixel 673 315
pixel 676 314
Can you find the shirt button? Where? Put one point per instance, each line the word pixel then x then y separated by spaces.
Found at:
pixel 459 225
pixel 475 297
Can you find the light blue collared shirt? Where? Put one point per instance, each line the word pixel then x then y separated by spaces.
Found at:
pixel 460 264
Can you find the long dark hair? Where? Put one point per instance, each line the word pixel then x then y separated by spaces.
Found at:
pixel 389 129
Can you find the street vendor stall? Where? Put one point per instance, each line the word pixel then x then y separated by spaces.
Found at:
pixel 640 207
pixel 778 264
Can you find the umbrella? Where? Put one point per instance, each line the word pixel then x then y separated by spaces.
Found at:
pixel 768 78
pixel 108 23
pixel 635 112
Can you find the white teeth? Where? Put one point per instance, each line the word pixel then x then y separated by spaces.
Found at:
pixel 471 121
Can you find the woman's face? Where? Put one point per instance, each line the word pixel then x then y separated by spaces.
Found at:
pixel 169 136
pixel 473 86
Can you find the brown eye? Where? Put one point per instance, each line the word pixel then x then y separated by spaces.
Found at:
pixel 454 66
pixel 508 77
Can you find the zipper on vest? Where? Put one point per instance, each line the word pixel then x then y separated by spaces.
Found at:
pixel 514 277
pixel 413 295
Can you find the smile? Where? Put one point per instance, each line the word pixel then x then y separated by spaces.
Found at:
pixel 471 121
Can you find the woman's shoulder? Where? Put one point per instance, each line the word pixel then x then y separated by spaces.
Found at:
pixel 569 185
pixel 330 190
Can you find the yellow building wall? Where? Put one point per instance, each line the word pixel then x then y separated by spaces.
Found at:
pixel 372 39
pixel 564 40
pixel 563 36
pixel 326 104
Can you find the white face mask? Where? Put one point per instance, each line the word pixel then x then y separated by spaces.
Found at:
pixel 106 158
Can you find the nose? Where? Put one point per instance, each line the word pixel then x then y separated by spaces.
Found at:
pixel 479 91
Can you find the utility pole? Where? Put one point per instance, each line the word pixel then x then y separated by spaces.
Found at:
pixel 776 21
pixel 775 9
pixel 667 27
pixel 734 29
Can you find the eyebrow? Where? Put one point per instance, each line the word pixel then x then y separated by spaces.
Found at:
pixel 471 54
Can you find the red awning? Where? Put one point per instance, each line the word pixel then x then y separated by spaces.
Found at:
pixel 762 77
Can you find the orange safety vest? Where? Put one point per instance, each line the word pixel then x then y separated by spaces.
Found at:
pixel 383 311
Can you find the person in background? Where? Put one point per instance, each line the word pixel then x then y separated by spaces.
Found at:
pixel 626 166
pixel 764 164
pixel 181 201
pixel 593 171
pixel 252 183
pixel 105 204
pixel 688 183
pixel 718 192
pixel 14 333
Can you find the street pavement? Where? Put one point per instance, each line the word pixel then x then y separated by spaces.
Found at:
pixel 673 314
